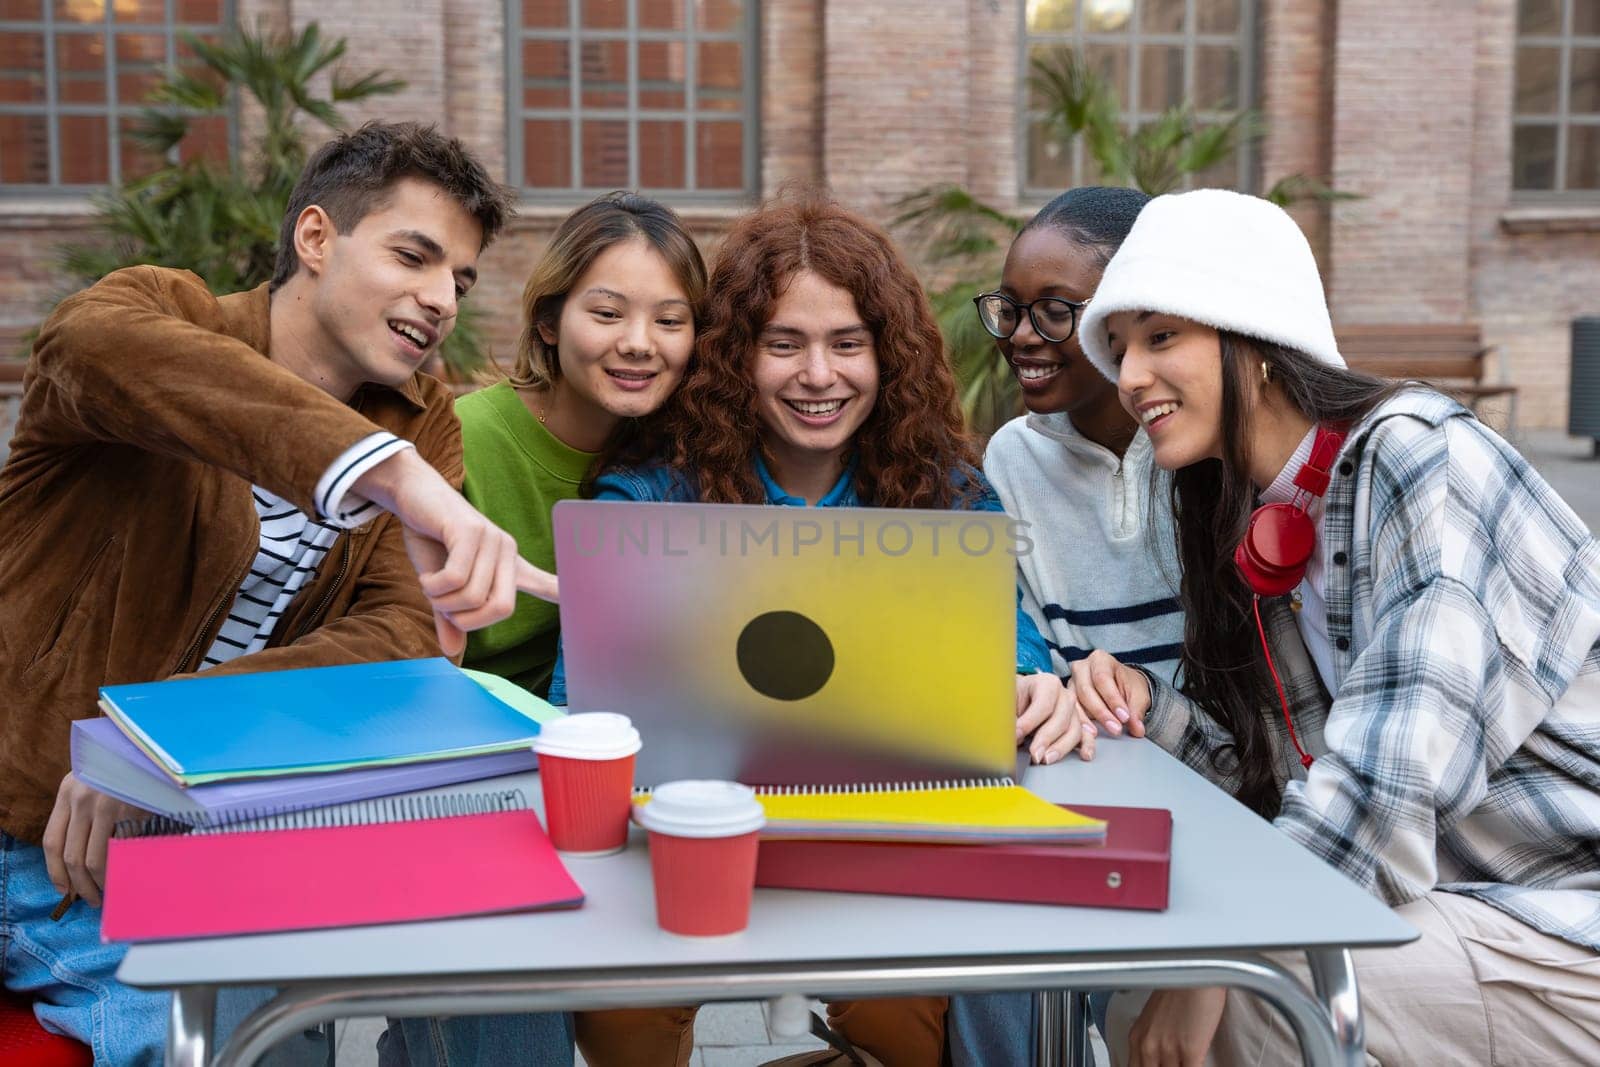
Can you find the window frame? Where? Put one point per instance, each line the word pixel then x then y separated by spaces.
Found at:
pixel 1246 40
pixel 113 109
pixel 1561 119
pixel 748 117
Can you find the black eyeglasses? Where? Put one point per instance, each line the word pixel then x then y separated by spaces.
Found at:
pixel 1054 317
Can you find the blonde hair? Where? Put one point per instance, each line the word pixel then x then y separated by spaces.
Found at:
pixel 581 237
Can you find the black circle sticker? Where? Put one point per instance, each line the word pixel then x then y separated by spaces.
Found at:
pixel 784 655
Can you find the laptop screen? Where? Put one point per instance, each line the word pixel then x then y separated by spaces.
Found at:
pixel 779 645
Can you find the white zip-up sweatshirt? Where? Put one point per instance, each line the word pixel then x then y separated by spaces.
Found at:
pixel 1097 576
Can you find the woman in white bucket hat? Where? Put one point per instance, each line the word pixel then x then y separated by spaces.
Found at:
pixel 1427 717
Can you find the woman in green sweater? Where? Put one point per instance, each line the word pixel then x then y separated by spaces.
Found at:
pixel 608 325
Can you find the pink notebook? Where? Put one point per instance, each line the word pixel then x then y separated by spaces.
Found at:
pixel 257 881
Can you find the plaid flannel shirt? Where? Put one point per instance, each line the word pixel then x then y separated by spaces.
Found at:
pixel 1461 749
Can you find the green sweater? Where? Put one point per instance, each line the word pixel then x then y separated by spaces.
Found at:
pixel 516 472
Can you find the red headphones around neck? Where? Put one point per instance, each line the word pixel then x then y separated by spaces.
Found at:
pixel 1278 544
pixel 1279 541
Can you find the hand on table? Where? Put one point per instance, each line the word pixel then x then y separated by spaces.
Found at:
pixel 1049 721
pixel 76 835
pixel 1110 694
pixel 469 567
pixel 1176 1027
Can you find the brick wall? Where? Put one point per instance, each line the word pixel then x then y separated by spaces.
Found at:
pixel 1403 120
pixel 1533 270
pixel 791 92
pixel 895 98
pixel 1422 128
pixel 990 133
pixel 30 246
pixel 1407 104
pixel 1296 102
pixel 410 47
pixel 473 33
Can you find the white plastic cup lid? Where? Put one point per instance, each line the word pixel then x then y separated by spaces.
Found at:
pixel 596 735
pixel 702 808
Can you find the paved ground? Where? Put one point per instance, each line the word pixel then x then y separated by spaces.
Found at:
pixel 726 1035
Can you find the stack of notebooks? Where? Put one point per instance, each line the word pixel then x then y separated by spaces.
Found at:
pixel 988 839
pixel 264 785
pixel 319 721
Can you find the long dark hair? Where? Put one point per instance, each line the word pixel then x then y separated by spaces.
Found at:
pixel 1211 504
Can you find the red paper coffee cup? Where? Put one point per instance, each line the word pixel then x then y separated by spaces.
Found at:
pixel 703 884
pixel 586 774
pixel 703 844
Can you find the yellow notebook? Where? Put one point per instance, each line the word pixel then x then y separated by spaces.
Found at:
pixel 974 810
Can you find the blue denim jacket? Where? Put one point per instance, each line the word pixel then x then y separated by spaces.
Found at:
pixel 657 481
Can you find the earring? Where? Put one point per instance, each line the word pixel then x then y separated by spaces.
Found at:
pixel 1266 373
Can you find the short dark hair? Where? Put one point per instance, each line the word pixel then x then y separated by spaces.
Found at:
pixel 351 176
pixel 1097 216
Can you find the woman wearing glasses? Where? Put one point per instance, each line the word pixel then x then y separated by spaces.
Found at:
pixel 1076 468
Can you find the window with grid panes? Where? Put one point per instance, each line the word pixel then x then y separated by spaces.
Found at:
pixel 1555 135
pixel 656 95
pixel 73 77
pixel 1154 55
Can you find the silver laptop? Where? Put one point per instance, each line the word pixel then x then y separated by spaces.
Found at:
pixel 777 645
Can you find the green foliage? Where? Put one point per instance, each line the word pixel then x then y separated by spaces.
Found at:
pixel 962 241
pixel 949 226
pixel 222 221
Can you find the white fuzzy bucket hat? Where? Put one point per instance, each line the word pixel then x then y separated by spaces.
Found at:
pixel 1235 262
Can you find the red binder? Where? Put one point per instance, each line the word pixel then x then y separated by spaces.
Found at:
pixel 1129 870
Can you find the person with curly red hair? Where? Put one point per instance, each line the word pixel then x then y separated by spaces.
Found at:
pixel 818 379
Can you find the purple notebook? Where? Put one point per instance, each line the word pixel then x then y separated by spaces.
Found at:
pixel 104 758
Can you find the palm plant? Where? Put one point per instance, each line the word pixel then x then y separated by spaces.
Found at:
pixel 221 221
pixel 960 240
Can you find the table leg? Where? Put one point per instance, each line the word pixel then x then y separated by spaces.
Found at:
pixel 189 1026
pixel 1078 1053
pixel 1333 978
pixel 1049 1027
pixel 1061 1029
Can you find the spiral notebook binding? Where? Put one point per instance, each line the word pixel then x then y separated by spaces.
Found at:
pixel 356 813
pixel 882 787
pixel 851 788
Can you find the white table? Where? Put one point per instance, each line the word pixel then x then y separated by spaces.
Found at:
pixel 1238 888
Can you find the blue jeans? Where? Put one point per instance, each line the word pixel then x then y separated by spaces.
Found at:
pixel 527 1040
pixel 996 1029
pixel 990 1030
pixel 70 975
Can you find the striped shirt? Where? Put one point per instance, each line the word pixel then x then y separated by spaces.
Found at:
pixel 293 545
pixel 1461 749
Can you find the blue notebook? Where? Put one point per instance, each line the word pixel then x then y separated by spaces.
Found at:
pixel 215 728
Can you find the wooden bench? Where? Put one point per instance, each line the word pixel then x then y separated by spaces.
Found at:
pixel 1453 359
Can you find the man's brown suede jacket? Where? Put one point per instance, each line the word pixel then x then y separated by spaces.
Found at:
pixel 127 524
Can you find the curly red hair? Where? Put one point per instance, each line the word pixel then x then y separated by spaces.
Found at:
pixel 912 442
